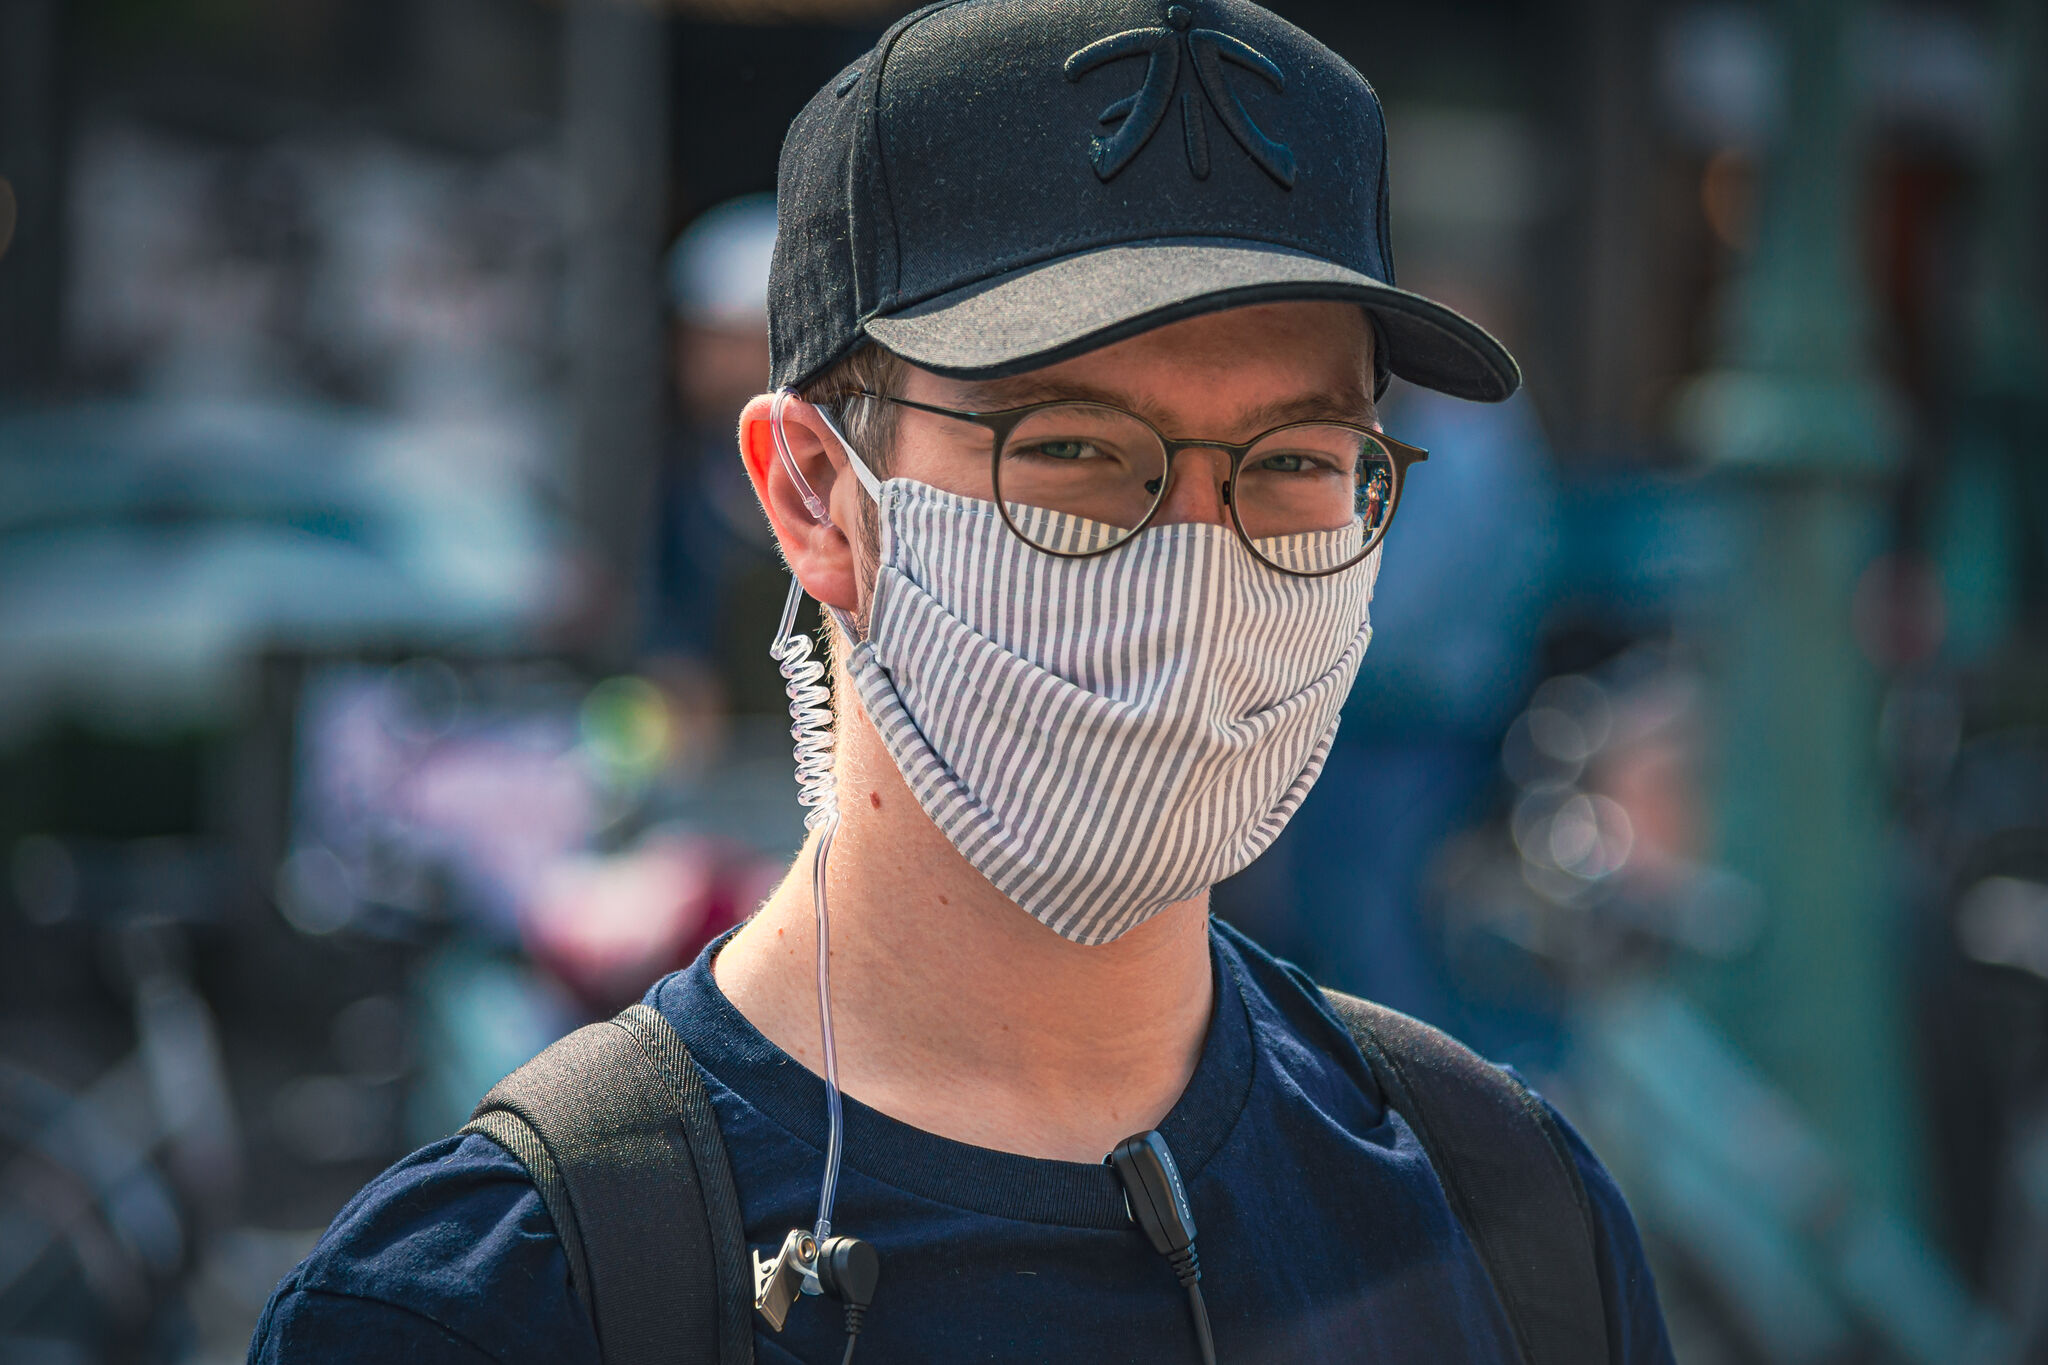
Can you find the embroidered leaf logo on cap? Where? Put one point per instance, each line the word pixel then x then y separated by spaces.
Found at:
pixel 1205 49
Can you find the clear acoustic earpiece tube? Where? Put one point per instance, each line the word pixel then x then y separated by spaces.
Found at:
pixel 845 1268
pixel 810 713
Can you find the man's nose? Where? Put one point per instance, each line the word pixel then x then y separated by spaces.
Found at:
pixel 1195 488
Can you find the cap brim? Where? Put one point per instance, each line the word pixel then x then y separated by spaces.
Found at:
pixel 1043 314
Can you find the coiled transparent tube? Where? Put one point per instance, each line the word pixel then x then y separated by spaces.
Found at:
pixel 810 714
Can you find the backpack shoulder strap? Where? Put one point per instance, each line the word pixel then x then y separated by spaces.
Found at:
pixel 1506 1171
pixel 617 1132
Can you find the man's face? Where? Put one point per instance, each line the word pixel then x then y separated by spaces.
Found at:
pixel 1227 376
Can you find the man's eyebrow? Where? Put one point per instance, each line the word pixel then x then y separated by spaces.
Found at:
pixel 994 395
pixel 1312 407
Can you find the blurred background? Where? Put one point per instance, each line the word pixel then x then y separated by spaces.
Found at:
pixel 383 617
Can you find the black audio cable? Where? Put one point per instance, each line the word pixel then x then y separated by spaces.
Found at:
pixel 848 1269
pixel 1157 1202
pixel 1189 1268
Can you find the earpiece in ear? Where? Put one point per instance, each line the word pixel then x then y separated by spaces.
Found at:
pixel 814 504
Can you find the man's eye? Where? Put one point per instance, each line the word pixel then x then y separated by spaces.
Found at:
pixel 1061 450
pixel 1292 463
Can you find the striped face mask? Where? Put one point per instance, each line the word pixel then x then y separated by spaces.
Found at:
pixel 1103 737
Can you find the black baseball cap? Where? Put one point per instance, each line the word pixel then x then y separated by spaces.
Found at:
pixel 1002 184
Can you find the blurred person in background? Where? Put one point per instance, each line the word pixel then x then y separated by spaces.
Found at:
pixel 711 554
pixel 1007 326
pixel 606 922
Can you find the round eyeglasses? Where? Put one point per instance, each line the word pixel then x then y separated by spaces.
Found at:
pixel 1076 479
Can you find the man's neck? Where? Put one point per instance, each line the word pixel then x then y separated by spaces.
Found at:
pixel 952 1009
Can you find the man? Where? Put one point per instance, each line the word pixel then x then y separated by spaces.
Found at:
pixel 1078 315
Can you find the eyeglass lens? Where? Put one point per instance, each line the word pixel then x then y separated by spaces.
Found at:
pixel 1077 478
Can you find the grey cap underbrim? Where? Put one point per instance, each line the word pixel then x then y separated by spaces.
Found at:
pixel 1043 314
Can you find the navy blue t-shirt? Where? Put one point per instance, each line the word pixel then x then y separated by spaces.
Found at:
pixel 1323 1232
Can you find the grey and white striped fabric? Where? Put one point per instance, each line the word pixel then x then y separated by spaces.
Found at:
pixel 1103 737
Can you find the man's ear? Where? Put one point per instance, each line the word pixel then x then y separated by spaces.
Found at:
pixel 818 552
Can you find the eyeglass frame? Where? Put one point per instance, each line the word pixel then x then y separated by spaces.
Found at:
pixel 1003 422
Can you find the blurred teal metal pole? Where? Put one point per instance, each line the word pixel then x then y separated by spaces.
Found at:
pixel 1797 425
pixel 2002 424
pixel 2011 357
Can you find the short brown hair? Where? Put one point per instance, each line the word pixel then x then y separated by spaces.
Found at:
pixel 871 427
